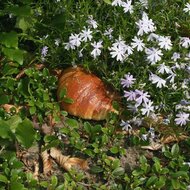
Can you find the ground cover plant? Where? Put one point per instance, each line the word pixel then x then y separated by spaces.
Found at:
pixel 141 49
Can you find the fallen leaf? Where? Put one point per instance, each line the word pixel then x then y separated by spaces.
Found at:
pixel 66 162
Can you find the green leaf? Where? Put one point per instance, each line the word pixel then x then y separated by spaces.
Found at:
pixel 68 100
pixel 96 169
pixel 13 122
pixel 9 39
pixel 3 178
pixel 23 23
pixel 151 181
pixel 54 181
pixel 4 99
pixel 118 171
pixel 114 150
pixel 62 93
pixel 175 184
pixel 108 1
pixel 14 54
pixel 17 186
pixel 5 131
pixel 72 123
pixel 87 127
pixel 175 150
pixel 32 110
pixel 25 133
pixel 19 11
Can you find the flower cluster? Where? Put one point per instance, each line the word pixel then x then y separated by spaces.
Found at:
pixel 165 60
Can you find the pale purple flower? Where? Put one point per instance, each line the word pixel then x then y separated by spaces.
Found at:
pixel 86 35
pixel 125 125
pixel 145 25
pixel 92 22
pixel 147 108
pixel 117 3
pixel 182 118
pixel 128 80
pixel 175 56
pixel 155 79
pixel 185 42
pixel 97 49
pixel 127 6
pixel 187 8
pixel 108 33
pixel 118 52
pixel 138 43
pixel 75 40
pixel 69 46
pixel 153 55
pixel 144 3
pixel 162 68
pixel 141 97
pixel 130 95
pixel 44 51
pixel 152 37
pixel 164 42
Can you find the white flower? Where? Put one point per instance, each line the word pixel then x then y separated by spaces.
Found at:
pixel 68 46
pixel 129 49
pixel 118 52
pixel 117 3
pixel 108 33
pixel 128 81
pixel 144 3
pixel 96 51
pixel 125 125
pixel 141 97
pixel 152 37
pixel 92 22
pixel 145 25
pixel 86 35
pixel 127 7
pixel 175 56
pixel 153 55
pixel 157 80
pixel 185 42
pixel 187 8
pixel 182 118
pixel 130 95
pixel 75 40
pixel 138 43
pixel 147 108
pixel 162 68
pixel 165 42
pixel 57 41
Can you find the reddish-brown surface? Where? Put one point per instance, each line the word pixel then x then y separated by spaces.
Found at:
pixel 92 100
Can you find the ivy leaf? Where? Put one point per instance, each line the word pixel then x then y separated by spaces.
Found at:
pixel 118 171
pixel 17 186
pixel 3 178
pixel 25 133
pixel 72 123
pixel 14 54
pixel 62 93
pixel 5 131
pixel 9 39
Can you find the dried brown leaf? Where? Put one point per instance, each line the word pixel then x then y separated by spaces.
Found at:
pixel 66 162
pixel 9 107
pixel 47 162
pixel 173 138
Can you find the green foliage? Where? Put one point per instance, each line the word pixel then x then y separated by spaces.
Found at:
pixel 26 27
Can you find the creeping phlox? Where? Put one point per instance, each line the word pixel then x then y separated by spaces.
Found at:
pixel 166 60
